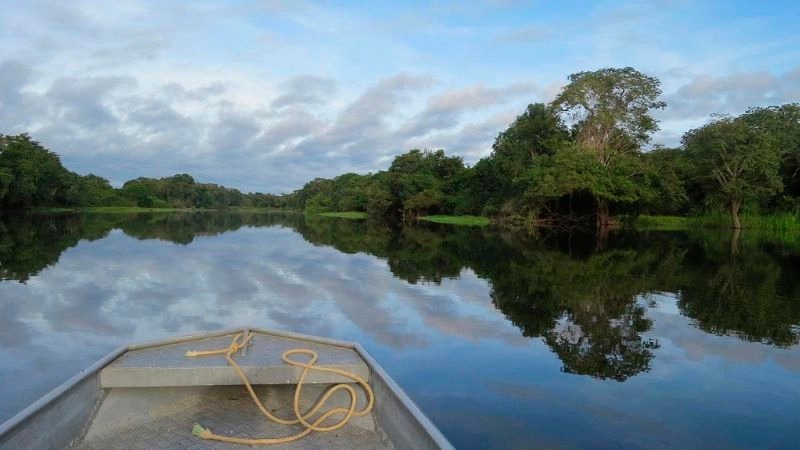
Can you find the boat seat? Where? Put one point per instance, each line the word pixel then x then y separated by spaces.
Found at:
pixel 168 365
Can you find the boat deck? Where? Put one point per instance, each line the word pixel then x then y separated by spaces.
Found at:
pixel 150 396
pixel 167 365
pixel 162 418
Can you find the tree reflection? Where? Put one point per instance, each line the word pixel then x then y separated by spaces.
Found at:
pixel 587 303
pixel 749 290
pixel 588 310
pixel 32 242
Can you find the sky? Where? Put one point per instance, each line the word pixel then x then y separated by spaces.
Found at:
pixel 264 96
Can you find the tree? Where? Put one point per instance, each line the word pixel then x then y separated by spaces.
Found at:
pixel 138 191
pixel 737 161
pixel 6 178
pixel 667 177
pixel 572 170
pixel 610 114
pixel 499 178
pixel 424 181
pixel 782 123
pixel 30 175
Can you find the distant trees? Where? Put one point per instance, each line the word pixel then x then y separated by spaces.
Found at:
pixel 181 191
pixel 91 190
pixel 33 176
pixel 425 182
pixel 417 182
pixel 579 158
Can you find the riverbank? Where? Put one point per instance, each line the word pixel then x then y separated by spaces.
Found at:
pixel 353 215
pixel 472 221
pixel 137 209
pixel 775 222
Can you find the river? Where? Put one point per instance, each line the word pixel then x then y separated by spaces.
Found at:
pixel 505 340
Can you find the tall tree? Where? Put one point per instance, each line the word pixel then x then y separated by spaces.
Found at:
pixel 609 110
pixel 782 123
pixel 737 160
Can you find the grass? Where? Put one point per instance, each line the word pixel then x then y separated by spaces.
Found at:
pixel 773 222
pixel 473 221
pixel 782 221
pixel 666 223
pixel 138 209
pixel 110 209
pixel 345 214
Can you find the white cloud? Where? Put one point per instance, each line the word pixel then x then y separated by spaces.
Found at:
pixel 264 96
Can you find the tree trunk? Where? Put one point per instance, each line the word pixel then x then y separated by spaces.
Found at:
pixel 602 239
pixel 734 208
pixel 603 218
pixel 735 241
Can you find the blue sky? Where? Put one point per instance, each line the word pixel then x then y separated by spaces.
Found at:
pixel 264 96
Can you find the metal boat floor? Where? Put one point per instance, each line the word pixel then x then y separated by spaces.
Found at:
pixel 167 365
pixel 162 418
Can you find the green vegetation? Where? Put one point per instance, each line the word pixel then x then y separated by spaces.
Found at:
pixel 645 222
pixel 582 159
pixel 737 159
pixel 772 222
pixel 114 209
pixel 138 209
pixel 346 214
pixel 475 221
pixel 32 176
pixel 579 159
pixel 775 222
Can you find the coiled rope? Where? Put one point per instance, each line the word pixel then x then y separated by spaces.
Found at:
pixel 300 418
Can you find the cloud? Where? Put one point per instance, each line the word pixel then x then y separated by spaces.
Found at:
pixel 732 94
pixel 15 104
pixel 445 110
pixel 692 103
pixel 264 97
pixel 305 90
pixel 82 101
pixel 473 140
pixel 362 129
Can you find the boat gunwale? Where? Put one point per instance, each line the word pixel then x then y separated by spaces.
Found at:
pixel 19 419
pixel 425 422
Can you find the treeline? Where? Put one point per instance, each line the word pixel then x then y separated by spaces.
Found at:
pixel 581 158
pixel 32 176
pixel 578 159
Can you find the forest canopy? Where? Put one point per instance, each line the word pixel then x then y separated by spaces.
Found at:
pixel 580 158
pixel 33 176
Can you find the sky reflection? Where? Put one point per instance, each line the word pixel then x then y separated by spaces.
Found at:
pixel 447 343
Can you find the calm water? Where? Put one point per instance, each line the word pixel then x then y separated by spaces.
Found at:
pixel 644 340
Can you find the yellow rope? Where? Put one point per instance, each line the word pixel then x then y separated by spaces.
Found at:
pixel 300 418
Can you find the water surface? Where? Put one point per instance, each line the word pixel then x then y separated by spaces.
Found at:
pixel 656 339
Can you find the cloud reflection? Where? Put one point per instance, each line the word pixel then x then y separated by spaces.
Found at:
pixel 431 312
